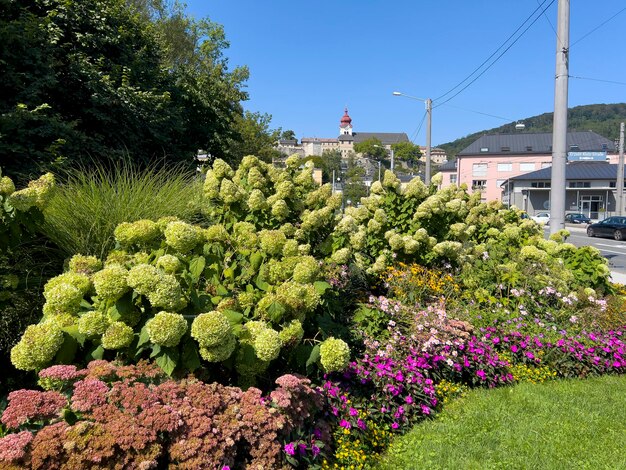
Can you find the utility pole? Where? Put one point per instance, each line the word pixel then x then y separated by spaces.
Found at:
pixel 392 161
pixel 429 123
pixel 620 173
pixel 333 181
pixel 559 131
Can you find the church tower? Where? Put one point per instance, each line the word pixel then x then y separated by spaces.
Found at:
pixel 345 125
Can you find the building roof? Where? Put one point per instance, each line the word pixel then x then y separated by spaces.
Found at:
pixel 387 138
pixel 345 138
pixel 308 140
pixel 540 143
pixel 345 119
pixel 448 166
pixel 575 171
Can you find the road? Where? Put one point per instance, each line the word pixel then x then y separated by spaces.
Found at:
pixel 612 250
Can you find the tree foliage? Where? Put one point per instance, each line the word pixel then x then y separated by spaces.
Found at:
pixel 254 137
pixel 104 79
pixel 407 152
pixel 372 148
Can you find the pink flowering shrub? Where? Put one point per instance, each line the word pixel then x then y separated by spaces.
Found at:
pixel 111 415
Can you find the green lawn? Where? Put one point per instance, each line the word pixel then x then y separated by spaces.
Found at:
pixel 569 424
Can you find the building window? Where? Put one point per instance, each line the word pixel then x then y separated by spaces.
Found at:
pixel 479 185
pixel 505 149
pixel 546 164
pixel 540 184
pixel 574 148
pixel 613 184
pixel 529 148
pixel 505 167
pixel 479 169
pixel 526 167
pixel 484 149
pixel 580 184
pixel 452 179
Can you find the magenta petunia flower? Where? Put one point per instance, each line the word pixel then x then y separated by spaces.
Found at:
pixel 290 449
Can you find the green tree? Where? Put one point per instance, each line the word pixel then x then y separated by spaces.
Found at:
pixel 288 135
pixel 329 161
pixel 254 137
pixel 407 152
pixel 354 188
pixel 372 148
pixel 95 79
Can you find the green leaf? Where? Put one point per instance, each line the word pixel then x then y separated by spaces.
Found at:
pixel 72 330
pixel 221 290
pixel 190 359
pixel 156 350
pixel 143 337
pixel 233 317
pixel 196 267
pixel 97 353
pixel 66 354
pixel 275 311
pixel 261 284
pixel 168 360
pixel 313 357
pixel 321 287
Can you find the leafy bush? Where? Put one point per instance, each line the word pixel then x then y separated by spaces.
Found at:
pixel 91 202
pixel 134 416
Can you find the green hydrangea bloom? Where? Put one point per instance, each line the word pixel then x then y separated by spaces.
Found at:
pixel 267 345
pixel 256 179
pixel 334 355
pixel 168 263
pixel 230 192
pixel 166 329
pixel 416 189
pixel 211 329
pixel 93 324
pixel 80 281
pixel 298 298
pixel 272 241
pixel 135 233
pixel 246 299
pixel 24 199
pixel 120 257
pixel 7 186
pixel 37 347
pixel 85 264
pixel 37 194
pixel 167 293
pixel 291 334
pixel 280 210
pixel 62 298
pixel 183 237
pixel 341 256
pixel 61 320
pixel 293 162
pixel 396 242
pixel 307 270
pixel 290 248
pixel 118 335
pixel 163 222
pixel 221 352
pixel 263 306
pixel 221 169
pixel 216 233
pixel 304 249
pixel 257 201
pixel 255 327
pixel 144 278
pixel 111 282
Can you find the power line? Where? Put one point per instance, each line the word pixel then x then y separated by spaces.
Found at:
pixel 497 58
pixel 598 80
pixel 496 51
pixel 479 112
pixel 417 132
pixel 552 26
pixel 597 27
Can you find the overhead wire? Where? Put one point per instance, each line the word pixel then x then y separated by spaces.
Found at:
pixel 597 27
pixel 597 80
pixel 419 128
pixel 497 58
pixel 496 51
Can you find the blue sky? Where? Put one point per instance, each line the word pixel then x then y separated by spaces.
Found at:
pixel 308 60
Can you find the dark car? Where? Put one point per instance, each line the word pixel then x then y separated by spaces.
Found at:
pixel 577 219
pixel 614 227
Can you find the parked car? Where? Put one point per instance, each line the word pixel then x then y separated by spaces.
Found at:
pixel 614 227
pixel 577 219
pixel 542 218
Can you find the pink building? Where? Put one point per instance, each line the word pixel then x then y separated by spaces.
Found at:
pixel 491 160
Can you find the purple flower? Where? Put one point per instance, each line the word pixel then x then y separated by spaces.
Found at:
pixel 425 409
pixel 481 374
pixel 302 449
pixel 315 450
pixel 361 424
pixel 395 425
pixel 353 412
pixel 290 449
pixel 345 424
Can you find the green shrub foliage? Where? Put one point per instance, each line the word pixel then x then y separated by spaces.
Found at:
pixel 257 292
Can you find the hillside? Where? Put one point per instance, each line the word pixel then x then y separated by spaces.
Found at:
pixel 601 118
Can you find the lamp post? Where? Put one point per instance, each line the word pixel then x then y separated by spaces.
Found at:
pixel 391 155
pixel 429 115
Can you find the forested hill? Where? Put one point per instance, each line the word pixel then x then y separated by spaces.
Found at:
pixel 601 118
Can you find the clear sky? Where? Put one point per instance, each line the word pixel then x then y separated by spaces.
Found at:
pixel 309 60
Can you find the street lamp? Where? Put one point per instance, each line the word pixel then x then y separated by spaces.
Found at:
pixel 429 115
pixel 392 156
